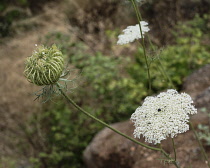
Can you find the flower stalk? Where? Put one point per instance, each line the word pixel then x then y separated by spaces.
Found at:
pixel 113 129
pixel 138 15
pixel 191 125
pixel 174 147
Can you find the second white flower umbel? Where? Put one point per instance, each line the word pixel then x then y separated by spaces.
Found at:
pixel 162 116
pixel 132 33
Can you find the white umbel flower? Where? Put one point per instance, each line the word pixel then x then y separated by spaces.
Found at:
pixel 132 32
pixel 162 116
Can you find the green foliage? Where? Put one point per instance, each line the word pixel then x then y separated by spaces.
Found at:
pixel 63 41
pixel 107 93
pixel 108 89
pixel 23 2
pixel 7 162
pixel 179 60
pixel 14 10
pixel 7 19
pixel 10 11
pixel 110 93
pixel 66 132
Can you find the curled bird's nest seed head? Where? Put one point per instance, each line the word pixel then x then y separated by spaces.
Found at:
pixel 44 66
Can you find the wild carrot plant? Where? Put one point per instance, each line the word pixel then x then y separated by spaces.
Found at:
pixel 160 117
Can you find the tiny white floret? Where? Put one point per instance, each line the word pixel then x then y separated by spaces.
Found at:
pixel 162 116
pixel 132 33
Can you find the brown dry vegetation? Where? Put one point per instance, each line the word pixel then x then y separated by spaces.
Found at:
pixel 16 100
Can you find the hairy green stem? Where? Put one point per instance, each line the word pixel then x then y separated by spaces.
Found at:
pixel 165 74
pixel 113 129
pixel 200 144
pixel 161 65
pixel 194 131
pixel 170 159
pixel 138 15
pixel 174 149
pixel 103 123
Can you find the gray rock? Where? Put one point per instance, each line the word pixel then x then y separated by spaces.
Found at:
pixel 110 150
pixel 198 86
pixel 202 100
pixel 198 81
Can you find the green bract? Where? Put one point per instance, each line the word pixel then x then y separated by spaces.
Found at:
pixel 45 66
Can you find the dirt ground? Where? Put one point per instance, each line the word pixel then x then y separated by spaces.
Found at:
pixel 16 93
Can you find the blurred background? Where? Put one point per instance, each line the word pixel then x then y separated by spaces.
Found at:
pixel 111 79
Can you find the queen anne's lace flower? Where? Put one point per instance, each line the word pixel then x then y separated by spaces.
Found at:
pixel 162 116
pixel 132 32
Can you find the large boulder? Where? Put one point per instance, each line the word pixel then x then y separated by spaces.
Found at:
pixel 197 82
pixel 197 85
pixel 110 150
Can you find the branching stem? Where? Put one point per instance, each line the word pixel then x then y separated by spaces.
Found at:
pixel 113 129
pixel 138 15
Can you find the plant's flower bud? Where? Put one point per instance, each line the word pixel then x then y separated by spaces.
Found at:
pixel 132 33
pixel 162 116
pixel 45 66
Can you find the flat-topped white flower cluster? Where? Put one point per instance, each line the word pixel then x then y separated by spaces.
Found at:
pixel 162 116
pixel 132 33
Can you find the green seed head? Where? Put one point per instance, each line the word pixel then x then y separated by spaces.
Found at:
pixel 45 66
